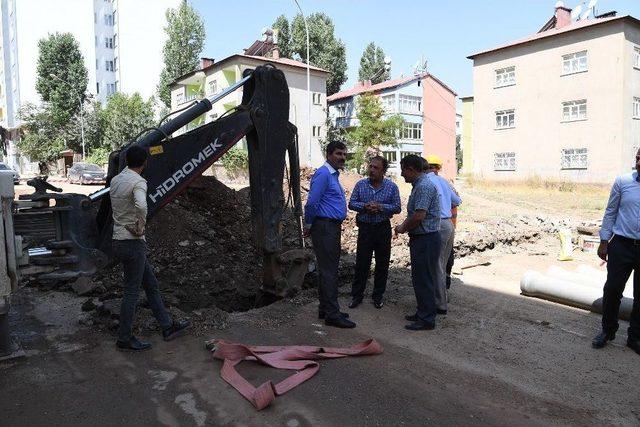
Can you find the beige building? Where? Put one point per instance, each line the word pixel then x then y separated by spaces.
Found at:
pixel 215 76
pixel 563 104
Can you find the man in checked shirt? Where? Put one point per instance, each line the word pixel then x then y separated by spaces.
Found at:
pixel 376 199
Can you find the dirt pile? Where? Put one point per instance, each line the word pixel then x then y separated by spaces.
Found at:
pixel 204 258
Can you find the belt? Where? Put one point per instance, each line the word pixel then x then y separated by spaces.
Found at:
pixel 334 220
pixel 373 224
pixel 634 242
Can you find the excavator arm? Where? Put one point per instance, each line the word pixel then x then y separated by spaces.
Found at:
pixel 66 236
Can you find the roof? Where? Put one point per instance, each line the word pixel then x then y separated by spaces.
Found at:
pixel 388 84
pixel 578 25
pixel 282 61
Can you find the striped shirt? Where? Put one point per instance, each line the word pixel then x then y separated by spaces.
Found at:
pixel 387 196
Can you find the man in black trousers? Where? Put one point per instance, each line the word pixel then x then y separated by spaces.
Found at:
pixel 620 248
pixel 376 199
pixel 325 210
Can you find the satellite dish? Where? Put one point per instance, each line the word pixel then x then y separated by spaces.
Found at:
pixel 387 60
pixel 575 13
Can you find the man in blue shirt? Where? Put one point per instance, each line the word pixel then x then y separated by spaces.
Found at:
pixel 423 226
pixel 448 199
pixel 325 210
pixel 376 199
pixel 620 248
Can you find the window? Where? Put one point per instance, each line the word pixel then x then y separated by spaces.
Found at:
pixel 108 20
pixel 636 57
pixel 574 158
pixel 180 97
pixel 111 88
pixel 411 131
pixel 404 154
pixel 504 161
pixel 317 97
pixel 115 41
pixel 391 156
pixel 316 130
pixel 212 87
pixel 388 103
pixel 96 39
pixel 115 64
pixel 410 104
pixel 574 62
pixel 341 110
pixel 505 119
pixel 109 65
pixel 574 110
pixel 98 88
pixel 636 107
pixel 506 77
pixel 108 42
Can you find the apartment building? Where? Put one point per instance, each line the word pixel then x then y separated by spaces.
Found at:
pixel 121 51
pixel 425 103
pixel 214 76
pixel 562 104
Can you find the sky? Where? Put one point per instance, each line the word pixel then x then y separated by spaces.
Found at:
pixel 442 32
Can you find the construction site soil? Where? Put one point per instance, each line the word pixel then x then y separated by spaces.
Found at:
pixel 201 246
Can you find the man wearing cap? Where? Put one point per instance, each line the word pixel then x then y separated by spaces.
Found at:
pixel 448 199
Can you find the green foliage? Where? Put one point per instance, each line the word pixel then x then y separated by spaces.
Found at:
pixel 373 132
pixel 124 117
pixel 41 140
pixel 59 55
pixel 284 37
pixel 185 40
pixel 371 62
pixel 325 50
pixel 333 134
pixel 99 156
pixel 92 122
pixel 235 161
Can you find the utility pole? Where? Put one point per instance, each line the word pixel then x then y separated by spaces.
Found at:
pixel 53 76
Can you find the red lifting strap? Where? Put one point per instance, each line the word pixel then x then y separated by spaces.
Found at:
pixel 300 358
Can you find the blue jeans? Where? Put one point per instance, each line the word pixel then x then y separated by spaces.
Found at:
pixel 424 250
pixel 137 270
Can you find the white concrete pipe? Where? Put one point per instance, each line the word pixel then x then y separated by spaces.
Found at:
pixel 601 275
pixel 579 295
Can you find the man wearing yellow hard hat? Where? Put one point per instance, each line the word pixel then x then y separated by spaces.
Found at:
pixel 449 200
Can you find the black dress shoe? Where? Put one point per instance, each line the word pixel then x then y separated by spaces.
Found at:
pixel 378 304
pixel 601 339
pixel 411 318
pixel 354 303
pixel 322 315
pixel 340 322
pixel 175 330
pixel 133 345
pixel 420 325
pixel 443 312
pixel 633 345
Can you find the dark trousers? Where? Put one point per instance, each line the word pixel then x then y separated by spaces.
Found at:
pixel 449 268
pixel 623 258
pixel 137 271
pixel 424 250
pixel 325 235
pixel 372 238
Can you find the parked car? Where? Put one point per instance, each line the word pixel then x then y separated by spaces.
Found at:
pixel 16 175
pixel 86 173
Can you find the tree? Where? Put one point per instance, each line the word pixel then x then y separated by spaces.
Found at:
pixel 124 117
pixel 93 125
pixel 371 62
pixel 458 154
pixel 374 130
pixel 284 37
pixel 41 141
pixel 325 50
pixel 185 40
pixel 60 56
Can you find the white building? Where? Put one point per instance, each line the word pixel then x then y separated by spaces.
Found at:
pixel 215 76
pixel 121 41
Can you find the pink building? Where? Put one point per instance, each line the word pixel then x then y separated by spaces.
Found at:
pixel 439 123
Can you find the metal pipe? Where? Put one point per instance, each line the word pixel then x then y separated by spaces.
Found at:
pixel 99 194
pixel 215 98
pixel 36 252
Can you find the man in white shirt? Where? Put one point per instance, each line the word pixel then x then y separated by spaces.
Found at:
pixel 128 192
